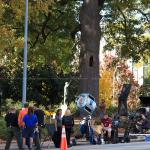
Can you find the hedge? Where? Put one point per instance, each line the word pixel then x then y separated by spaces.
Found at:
pixel 3 129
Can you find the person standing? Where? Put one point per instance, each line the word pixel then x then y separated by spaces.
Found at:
pixel 40 117
pixel 22 113
pixel 68 122
pixel 11 119
pixel 30 122
pixel 58 120
pixel 58 128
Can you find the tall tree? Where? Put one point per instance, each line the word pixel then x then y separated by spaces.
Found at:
pixel 50 43
pixel 53 25
pixel 90 41
pixel 126 28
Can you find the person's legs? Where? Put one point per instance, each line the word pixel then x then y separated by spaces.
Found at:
pixel 99 139
pixel 30 135
pixel 68 133
pixel 107 129
pixel 36 139
pixel 24 137
pixel 67 136
pixel 17 134
pixel 39 132
pixel 24 145
pixel 31 142
pixel 109 132
pixel 9 138
pixel 59 130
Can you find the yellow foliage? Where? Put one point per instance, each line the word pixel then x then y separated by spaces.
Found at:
pixel 139 64
pixel 19 43
pixel 48 113
pixel 105 86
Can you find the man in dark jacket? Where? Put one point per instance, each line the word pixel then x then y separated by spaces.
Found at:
pixel 68 122
pixel 40 117
pixel 11 119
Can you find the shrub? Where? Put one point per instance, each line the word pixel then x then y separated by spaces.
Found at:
pixel 73 107
pixel 111 110
pixel 3 129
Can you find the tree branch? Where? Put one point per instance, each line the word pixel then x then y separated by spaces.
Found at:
pixel 42 31
pixel 125 25
pixel 144 14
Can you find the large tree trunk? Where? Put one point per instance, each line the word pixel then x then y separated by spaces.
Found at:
pixel 90 42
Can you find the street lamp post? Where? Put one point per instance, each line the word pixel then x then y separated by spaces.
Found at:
pixel 24 87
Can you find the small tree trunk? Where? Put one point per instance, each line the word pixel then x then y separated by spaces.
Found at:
pixel 90 41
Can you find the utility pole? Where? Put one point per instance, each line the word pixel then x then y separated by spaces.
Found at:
pixel 24 87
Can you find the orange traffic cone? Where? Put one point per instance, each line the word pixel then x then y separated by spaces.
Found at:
pixel 63 145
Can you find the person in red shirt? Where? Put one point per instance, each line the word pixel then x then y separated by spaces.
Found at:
pixel 22 113
pixel 106 124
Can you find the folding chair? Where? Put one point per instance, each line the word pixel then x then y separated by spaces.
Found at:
pixel 48 137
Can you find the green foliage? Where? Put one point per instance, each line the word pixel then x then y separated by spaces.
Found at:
pixel 73 107
pixel 9 103
pixel 43 86
pixel 50 28
pixel 126 27
pixel 50 43
pixel 111 110
pixel 72 89
pixel 53 42
pixel 3 129
pixel 147 74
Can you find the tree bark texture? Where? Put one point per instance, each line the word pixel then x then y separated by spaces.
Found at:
pixel 90 42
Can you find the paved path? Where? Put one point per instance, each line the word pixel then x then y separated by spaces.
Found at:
pixel 86 146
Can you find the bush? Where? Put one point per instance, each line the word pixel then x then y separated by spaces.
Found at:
pixel 111 110
pixel 11 103
pixel 73 107
pixel 3 129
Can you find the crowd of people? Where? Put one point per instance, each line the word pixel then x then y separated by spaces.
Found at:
pixel 26 127
pixel 68 121
pixel 23 126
